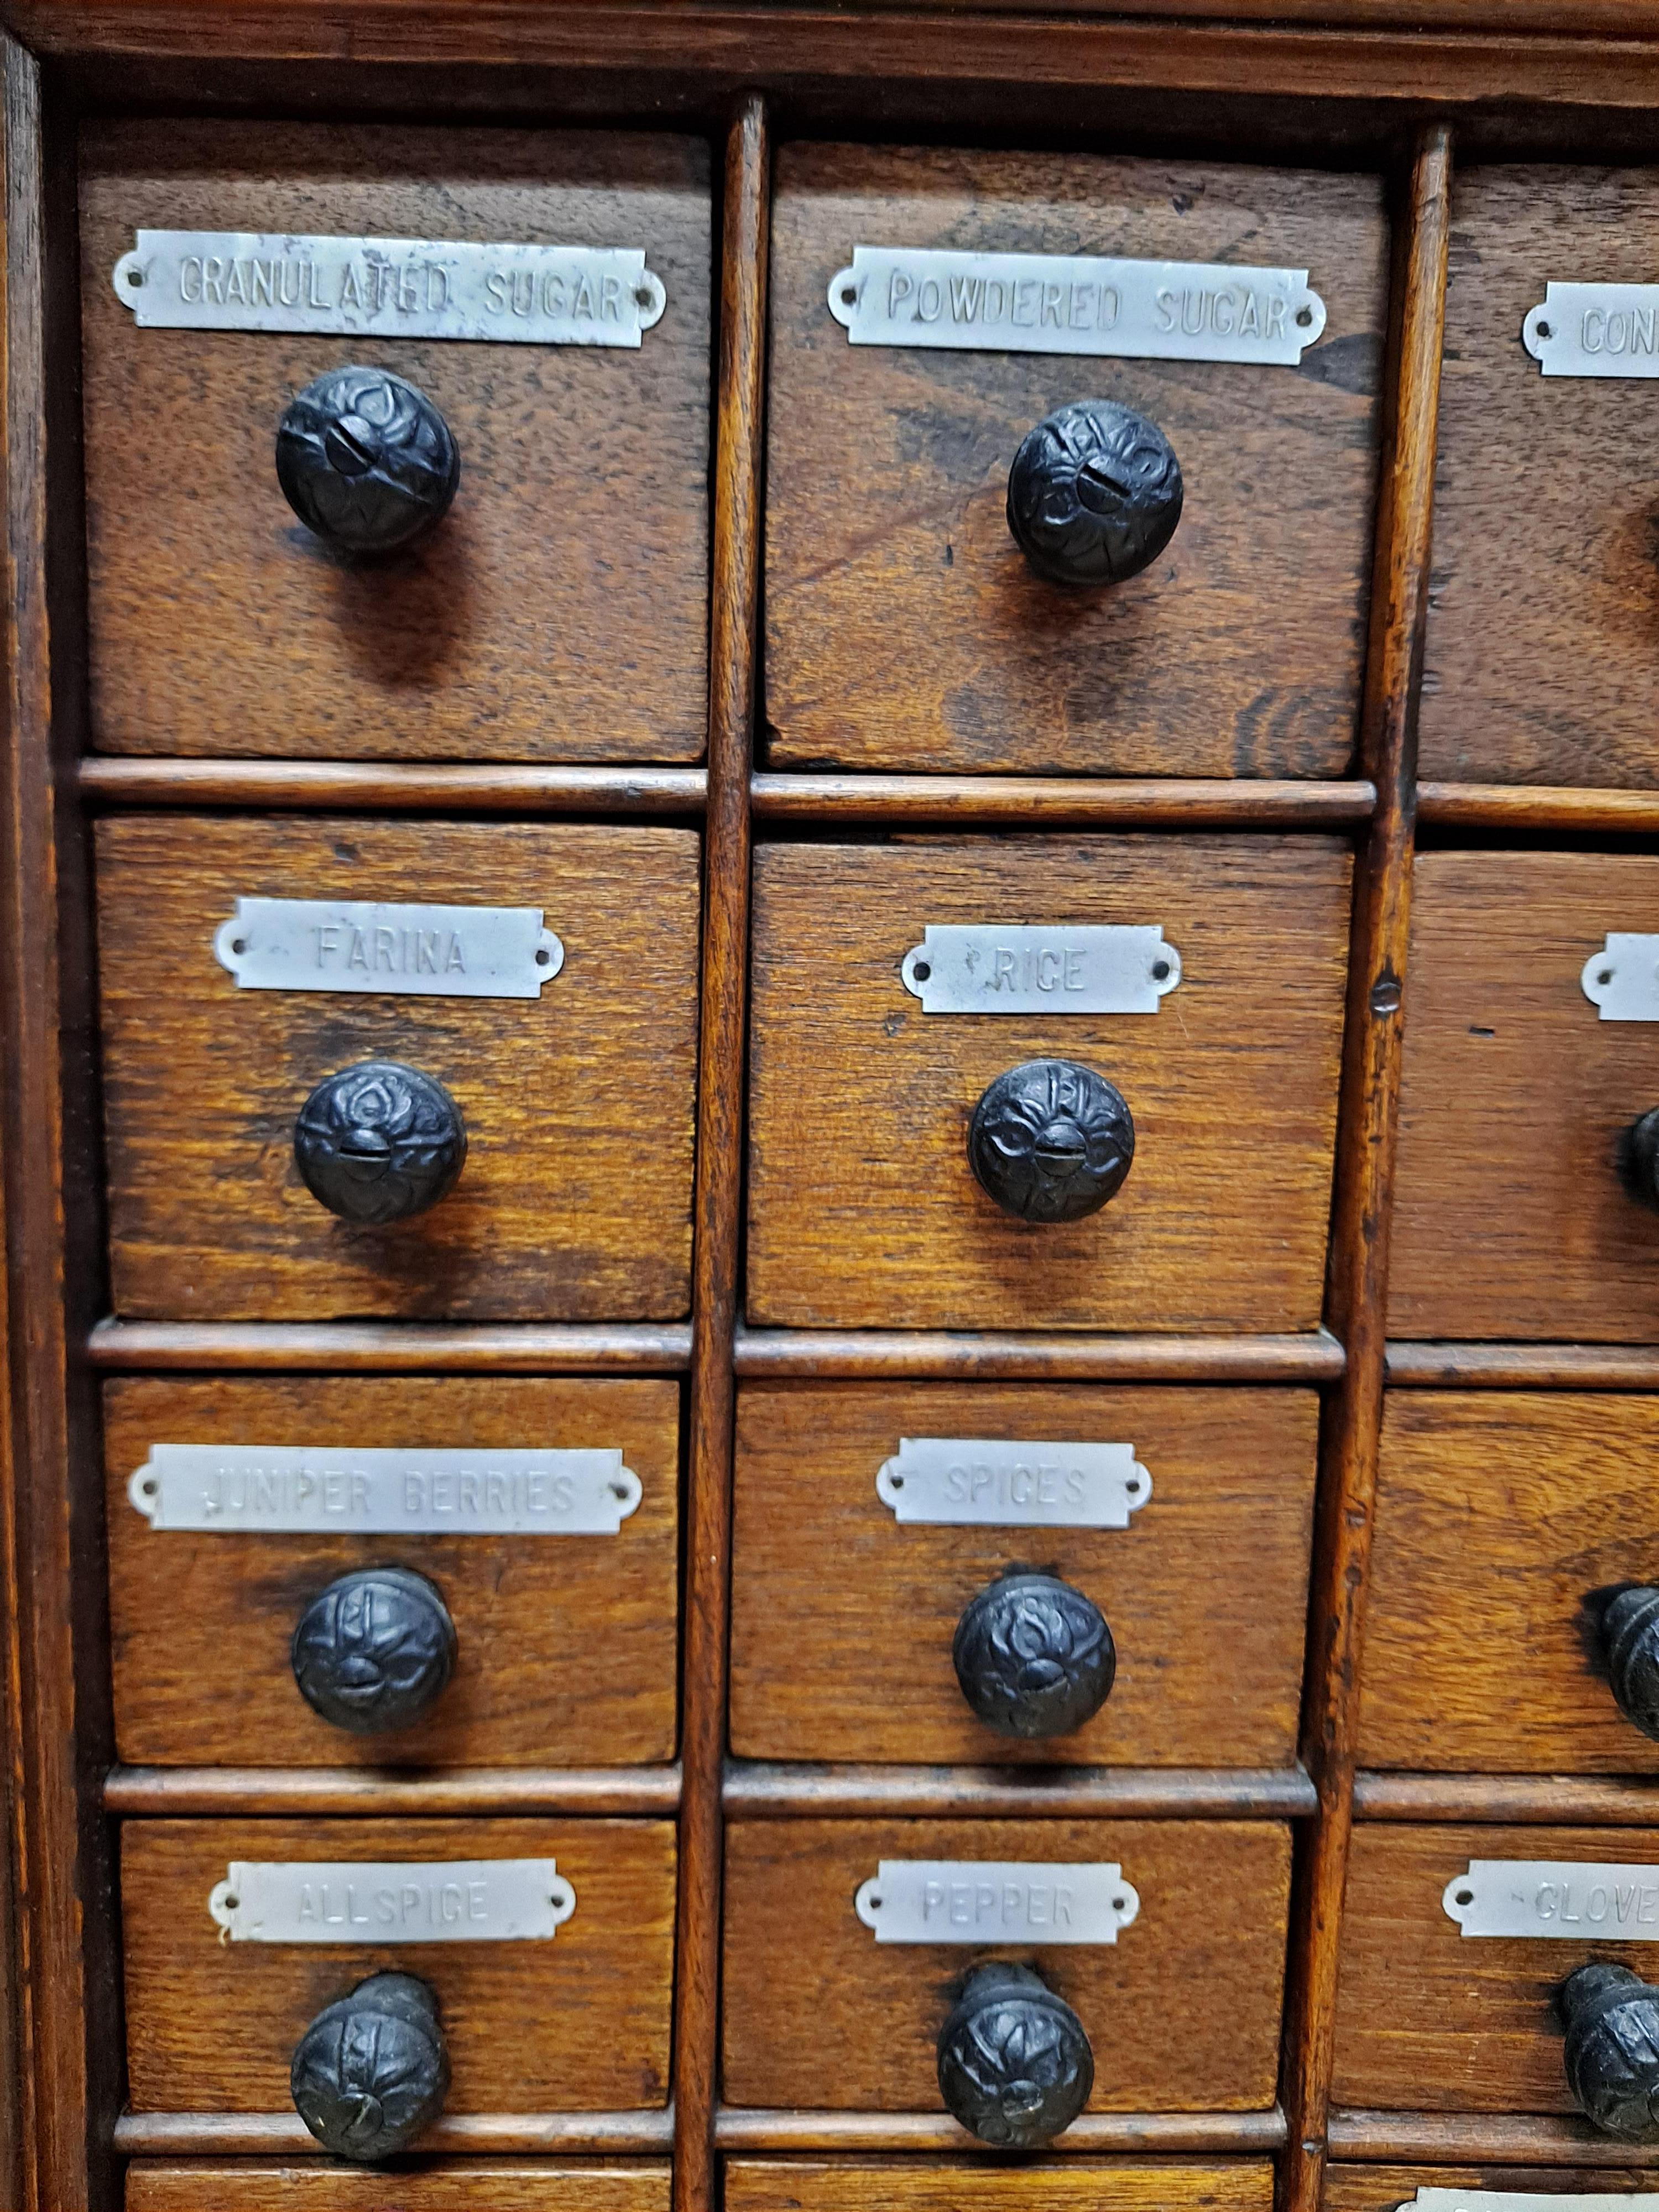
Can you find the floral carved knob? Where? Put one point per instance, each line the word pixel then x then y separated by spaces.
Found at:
pixel 1014 2064
pixel 371 2072
pixel 1033 1656
pixel 380 1142
pixel 1051 1140
pixel 373 1650
pixel 1629 1628
pixel 366 460
pixel 1094 494
pixel 1612 2055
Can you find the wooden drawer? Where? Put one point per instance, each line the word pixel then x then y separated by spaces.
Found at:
pixel 577 2023
pixel 820 2016
pixel 1497 1518
pixel 863 1209
pixel 1540 660
pixel 575 1199
pixel 855 1663
pixel 560 610
pixel 565 1645
pixel 1063 2184
pixel 904 629
pixel 1384 2188
pixel 461 2185
pixel 1510 1218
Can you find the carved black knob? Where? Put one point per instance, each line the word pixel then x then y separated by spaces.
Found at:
pixel 1051 1140
pixel 1612 2056
pixel 1639 1159
pixel 1630 1642
pixel 374 1649
pixel 379 1142
pixel 371 2072
pixel 366 460
pixel 1033 1656
pixel 1094 494
pixel 1014 2064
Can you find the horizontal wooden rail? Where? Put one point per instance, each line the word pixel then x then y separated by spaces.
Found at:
pixel 390 787
pixel 1478 2139
pixel 1035 802
pixel 738 2129
pixel 384 1794
pixel 1525 808
pixel 1615 1801
pixel 390 1348
pixel 150 2135
pixel 763 1790
pixel 1423 1366
pixel 843 1353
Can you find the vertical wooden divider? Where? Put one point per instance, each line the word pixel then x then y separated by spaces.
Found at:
pixel 1358 1280
pixel 731 695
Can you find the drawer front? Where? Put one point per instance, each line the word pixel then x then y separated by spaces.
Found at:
pixel 577 2023
pixel 1510 1217
pixel 904 627
pixel 1385 2188
pixel 820 2016
pixel 560 609
pixel 856 1663
pixel 1500 1519
pixel 574 1201
pixel 1066 2185
pixel 564 1645
pixel 864 1211
pixel 463 2185
pixel 1539 659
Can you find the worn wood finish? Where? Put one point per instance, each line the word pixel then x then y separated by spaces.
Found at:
pixel 1523 1366
pixel 580 2023
pixel 843 1618
pixel 1060 802
pixel 1549 1800
pixel 1383 2188
pixel 566 1646
pixel 1092 2134
pixel 388 787
pixel 1530 809
pixel 453 2135
pixel 1519 2141
pixel 1510 1219
pixel 943 1355
pixel 576 1199
pixel 770 1790
pixel 382 1795
pixel 311 2186
pixel 863 1210
pixel 820 2015
pixel 560 610
pixel 390 1348
pixel 1063 2184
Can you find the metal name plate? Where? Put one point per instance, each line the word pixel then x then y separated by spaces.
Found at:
pixel 390 1901
pixel 1622 979
pixel 406 288
pixel 1556 1897
pixel 360 944
pixel 1021 967
pixel 978 1482
pixel 1594 330
pixel 921 295
pixel 1503 2200
pixel 290 1490
pixel 994 1901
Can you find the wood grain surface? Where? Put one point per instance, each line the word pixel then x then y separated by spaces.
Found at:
pixel 1510 1217
pixel 855 1662
pixel 1541 658
pixel 580 2022
pixel 904 629
pixel 863 1211
pixel 463 2185
pixel 1382 2188
pixel 1430 2019
pixel 560 610
pixel 575 1200
pixel 566 1645
pixel 1182 2012
pixel 1063 2185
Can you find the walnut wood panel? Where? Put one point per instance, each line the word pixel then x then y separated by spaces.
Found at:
pixel 1510 1219
pixel 559 612
pixel 904 629
pixel 863 1209
pixel 565 1644
pixel 576 1199
pixel 580 2022
pixel 1430 2019
pixel 307 2185
pixel 1497 1518
pixel 1383 2188
pixel 1061 2184
pixel 1542 655
pixel 1182 2012
pixel 855 1662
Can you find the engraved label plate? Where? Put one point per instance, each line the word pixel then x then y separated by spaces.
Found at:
pixel 389 1901
pixel 991 1901
pixel 975 1482
pixel 292 1490
pixel 360 944
pixel 1556 1897
pixel 1503 2200
pixel 1594 330
pixel 405 287
pixel 1046 968
pixel 1622 979
pixel 920 295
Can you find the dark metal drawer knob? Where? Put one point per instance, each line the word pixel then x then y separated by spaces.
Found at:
pixel 1639 1159
pixel 1094 494
pixel 1033 1656
pixel 1014 2064
pixel 1051 1140
pixel 1612 2055
pixel 1630 1643
pixel 371 2073
pixel 380 1142
pixel 374 1649
pixel 366 460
